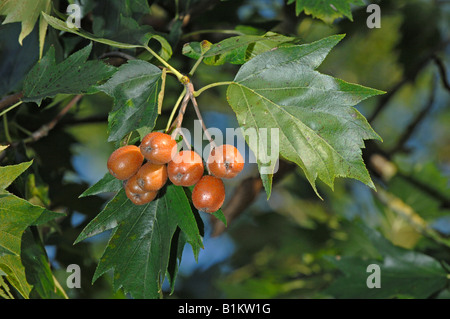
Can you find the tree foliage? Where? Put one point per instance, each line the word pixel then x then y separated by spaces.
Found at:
pixel 342 192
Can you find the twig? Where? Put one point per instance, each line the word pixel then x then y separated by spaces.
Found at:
pixel 190 90
pixel 441 66
pixel 189 96
pixel 5 126
pixel 10 100
pixel 185 140
pixel 44 129
pixel 407 212
pixel 179 119
pixel 409 131
pixel 172 114
pixel 389 169
pixel 10 108
pixel 384 99
pixel 245 194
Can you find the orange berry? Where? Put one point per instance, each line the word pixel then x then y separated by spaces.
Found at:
pixel 125 161
pixel 152 177
pixel 208 194
pixel 158 148
pixel 225 161
pixel 185 169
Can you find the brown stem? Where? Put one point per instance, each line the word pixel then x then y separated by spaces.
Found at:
pixel 190 90
pixel 442 71
pixel 245 194
pixel 179 120
pixel 10 100
pixel 44 129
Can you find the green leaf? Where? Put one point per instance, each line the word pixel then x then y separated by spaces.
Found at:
pixel 37 268
pixel 135 88
pixel 5 292
pixel 139 249
pixel 12 266
pixel 27 12
pixel 74 75
pixel 186 221
pixel 402 272
pixel 176 253
pixel 326 10
pixel 238 49
pixel 9 173
pixel 319 130
pixel 61 25
pixel 16 215
pixel 139 35
pixel 220 216
pixel 107 184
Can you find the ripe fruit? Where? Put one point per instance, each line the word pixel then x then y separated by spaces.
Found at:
pixel 132 185
pixel 125 161
pixel 152 177
pixel 140 198
pixel 225 161
pixel 208 194
pixel 185 169
pixel 158 148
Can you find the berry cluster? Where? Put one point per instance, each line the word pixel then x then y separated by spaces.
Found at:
pixel 145 170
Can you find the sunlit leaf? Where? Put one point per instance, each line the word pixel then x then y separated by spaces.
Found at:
pixel 135 88
pixel 27 12
pixel 313 113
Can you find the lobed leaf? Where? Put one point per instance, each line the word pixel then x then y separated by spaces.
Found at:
pixel 140 248
pixel 16 215
pixel 318 128
pixel 236 50
pixel 27 13
pixel 132 31
pixel 61 25
pixel 74 75
pixel 134 88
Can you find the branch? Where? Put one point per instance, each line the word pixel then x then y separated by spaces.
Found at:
pixel 416 122
pixel 384 99
pixel 407 212
pixel 10 100
pixel 245 194
pixel 190 89
pixel 179 119
pixel 381 165
pixel 441 66
pixel 177 123
pixel 44 129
